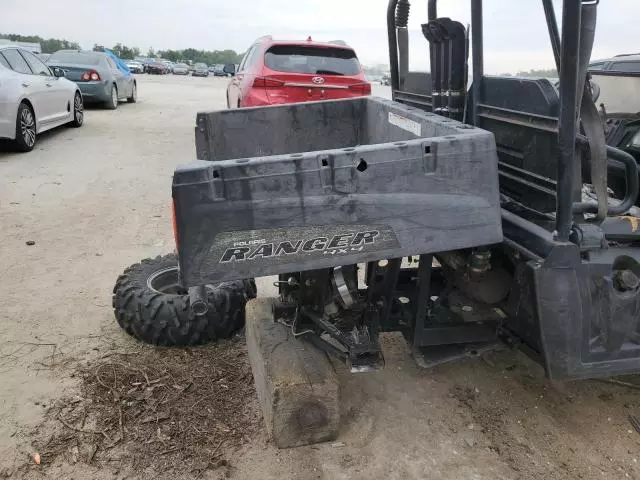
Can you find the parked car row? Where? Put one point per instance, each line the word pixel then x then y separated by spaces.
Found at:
pixel 162 67
pixel 38 96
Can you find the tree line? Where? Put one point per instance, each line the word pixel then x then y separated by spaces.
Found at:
pixel 544 73
pixel 126 52
pixel 48 45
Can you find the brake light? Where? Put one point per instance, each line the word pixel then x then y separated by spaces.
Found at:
pixel 361 88
pixel 90 75
pixel 266 82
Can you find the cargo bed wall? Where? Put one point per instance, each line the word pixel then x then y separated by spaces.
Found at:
pixel 385 181
pixel 307 127
pixel 256 132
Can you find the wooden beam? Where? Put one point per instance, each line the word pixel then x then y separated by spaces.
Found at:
pixel 296 382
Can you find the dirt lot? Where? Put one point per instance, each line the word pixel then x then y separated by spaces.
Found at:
pixel 97 199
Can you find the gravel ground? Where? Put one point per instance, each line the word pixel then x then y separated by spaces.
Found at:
pixel 96 200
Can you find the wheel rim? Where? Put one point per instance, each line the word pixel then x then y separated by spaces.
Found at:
pixel 28 127
pixel 134 95
pixel 114 97
pixel 78 109
pixel 166 282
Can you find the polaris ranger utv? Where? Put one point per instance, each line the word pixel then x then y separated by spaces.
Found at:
pixel 452 214
pixel 480 189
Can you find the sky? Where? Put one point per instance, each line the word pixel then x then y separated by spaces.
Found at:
pixel 515 31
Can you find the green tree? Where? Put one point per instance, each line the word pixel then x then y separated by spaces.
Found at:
pixel 551 72
pixel 49 45
pixel 209 57
pixel 125 52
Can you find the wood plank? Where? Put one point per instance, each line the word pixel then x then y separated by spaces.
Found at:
pixel 296 383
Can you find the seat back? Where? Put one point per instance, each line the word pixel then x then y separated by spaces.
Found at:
pixel 522 113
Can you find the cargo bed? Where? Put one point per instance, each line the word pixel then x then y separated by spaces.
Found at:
pixel 315 185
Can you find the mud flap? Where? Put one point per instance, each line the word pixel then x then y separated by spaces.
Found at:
pixel 587 327
pixel 560 311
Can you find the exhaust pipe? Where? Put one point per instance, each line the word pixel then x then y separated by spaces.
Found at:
pixel 197 297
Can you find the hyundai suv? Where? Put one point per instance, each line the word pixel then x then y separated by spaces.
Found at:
pixel 276 72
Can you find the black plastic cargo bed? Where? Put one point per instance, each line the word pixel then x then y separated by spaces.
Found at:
pixel 315 185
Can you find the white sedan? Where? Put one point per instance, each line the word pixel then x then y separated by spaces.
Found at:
pixel 33 98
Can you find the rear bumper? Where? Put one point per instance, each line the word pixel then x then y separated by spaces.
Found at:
pixel 95 91
pixel 260 97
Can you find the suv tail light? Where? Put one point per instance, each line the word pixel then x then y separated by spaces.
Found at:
pixel 90 75
pixel 362 88
pixel 266 82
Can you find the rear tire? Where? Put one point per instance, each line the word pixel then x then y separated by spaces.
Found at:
pixel 112 103
pixel 25 129
pixel 134 94
pixel 78 111
pixel 150 305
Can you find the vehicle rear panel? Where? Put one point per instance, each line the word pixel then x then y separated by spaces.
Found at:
pixel 330 174
pixel 308 72
pixel 74 72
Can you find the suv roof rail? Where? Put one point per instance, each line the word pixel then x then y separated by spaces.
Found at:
pixel 627 55
pixel 339 42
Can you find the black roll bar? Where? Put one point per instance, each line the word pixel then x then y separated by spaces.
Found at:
pixel 393 45
pixel 567 121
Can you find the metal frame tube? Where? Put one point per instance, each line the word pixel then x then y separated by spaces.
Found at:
pixel 554 34
pixel 432 9
pixel 393 45
pixel 567 128
pixel 477 51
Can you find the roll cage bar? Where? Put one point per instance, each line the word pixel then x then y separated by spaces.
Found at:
pixel 569 51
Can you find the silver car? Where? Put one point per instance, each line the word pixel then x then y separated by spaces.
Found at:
pixel 134 66
pixel 97 75
pixel 181 69
pixel 33 98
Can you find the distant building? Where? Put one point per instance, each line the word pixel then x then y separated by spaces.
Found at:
pixel 32 47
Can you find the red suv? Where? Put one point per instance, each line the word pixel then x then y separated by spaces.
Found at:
pixel 274 72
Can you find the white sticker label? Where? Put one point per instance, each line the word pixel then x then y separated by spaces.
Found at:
pixel 405 124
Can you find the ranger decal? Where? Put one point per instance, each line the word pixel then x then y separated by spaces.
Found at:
pixel 339 244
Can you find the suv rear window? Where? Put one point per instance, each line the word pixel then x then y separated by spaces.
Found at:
pixel 626 67
pixel 81 58
pixel 312 60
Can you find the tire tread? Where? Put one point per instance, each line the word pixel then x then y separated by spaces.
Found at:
pixel 167 320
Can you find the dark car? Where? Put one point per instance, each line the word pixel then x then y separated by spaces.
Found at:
pixel 230 69
pixel 200 70
pixel 97 75
pixel 157 67
pixel 218 71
